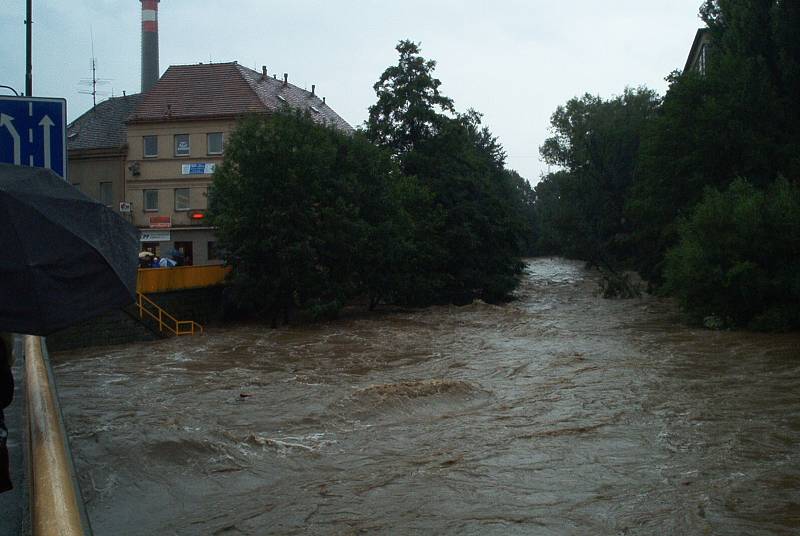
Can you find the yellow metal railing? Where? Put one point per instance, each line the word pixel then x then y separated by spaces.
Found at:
pixel 166 321
pixel 151 280
pixel 56 507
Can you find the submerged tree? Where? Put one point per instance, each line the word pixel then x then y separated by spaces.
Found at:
pixel 306 214
pixel 422 212
pixel 479 230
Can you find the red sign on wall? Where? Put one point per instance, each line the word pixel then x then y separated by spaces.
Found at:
pixel 160 222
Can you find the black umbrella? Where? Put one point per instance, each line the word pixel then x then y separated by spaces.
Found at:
pixel 64 257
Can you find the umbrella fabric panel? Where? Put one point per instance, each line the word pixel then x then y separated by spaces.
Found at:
pixel 66 206
pixel 53 277
pixel 65 257
pixel 103 230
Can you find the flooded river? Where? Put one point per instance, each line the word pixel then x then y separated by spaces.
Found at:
pixel 559 413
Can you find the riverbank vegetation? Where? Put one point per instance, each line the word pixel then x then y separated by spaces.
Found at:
pixel 416 208
pixel 697 191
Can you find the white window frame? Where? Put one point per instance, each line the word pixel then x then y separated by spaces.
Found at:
pixel 188 200
pixel 145 204
pixel 221 142
pixel 145 154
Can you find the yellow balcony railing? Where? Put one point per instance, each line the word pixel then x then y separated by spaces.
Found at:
pixel 166 322
pixel 152 280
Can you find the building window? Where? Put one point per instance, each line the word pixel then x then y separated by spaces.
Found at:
pixel 702 60
pixel 181 145
pixel 215 143
pixel 106 193
pixel 213 252
pixel 150 200
pixel 181 198
pixel 150 144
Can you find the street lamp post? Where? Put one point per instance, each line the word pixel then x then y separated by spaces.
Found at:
pixel 28 55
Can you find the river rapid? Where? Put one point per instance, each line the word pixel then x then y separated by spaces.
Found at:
pixel 559 413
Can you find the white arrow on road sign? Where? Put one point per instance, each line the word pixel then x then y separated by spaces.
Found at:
pixel 6 121
pixel 46 123
pixel 37 127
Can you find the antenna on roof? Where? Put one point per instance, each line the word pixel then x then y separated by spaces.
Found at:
pixel 94 81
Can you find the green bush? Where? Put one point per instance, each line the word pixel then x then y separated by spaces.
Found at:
pixel 738 258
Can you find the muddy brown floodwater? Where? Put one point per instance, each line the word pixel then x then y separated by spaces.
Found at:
pixel 559 413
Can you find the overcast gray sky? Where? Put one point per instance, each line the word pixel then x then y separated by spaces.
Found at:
pixel 512 60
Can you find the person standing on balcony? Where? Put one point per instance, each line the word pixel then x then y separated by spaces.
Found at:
pixel 6 396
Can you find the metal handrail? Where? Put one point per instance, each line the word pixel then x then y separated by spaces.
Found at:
pixel 194 327
pixel 56 505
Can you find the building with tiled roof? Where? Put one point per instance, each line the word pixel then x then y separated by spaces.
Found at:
pixel 204 91
pixel 97 146
pixel 176 136
pixel 698 54
pixel 152 155
pixel 103 126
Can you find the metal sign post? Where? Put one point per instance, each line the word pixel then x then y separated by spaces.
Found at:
pixel 33 132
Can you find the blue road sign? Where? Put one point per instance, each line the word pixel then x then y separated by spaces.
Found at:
pixel 33 132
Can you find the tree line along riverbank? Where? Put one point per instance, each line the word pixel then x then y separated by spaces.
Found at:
pixel 696 190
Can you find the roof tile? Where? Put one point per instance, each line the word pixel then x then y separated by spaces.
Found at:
pixel 102 127
pixel 224 90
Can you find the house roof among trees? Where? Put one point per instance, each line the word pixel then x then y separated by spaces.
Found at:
pixel 702 37
pixel 202 91
pixel 103 126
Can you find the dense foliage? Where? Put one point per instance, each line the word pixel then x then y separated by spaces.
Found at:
pixel 483 223
pixel 739 119
pixel 595 143
pixel 738 260
pixel 307 216
pixel 419 209
pixel 674 163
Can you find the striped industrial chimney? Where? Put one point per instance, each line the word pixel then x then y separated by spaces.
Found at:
pixel 149 43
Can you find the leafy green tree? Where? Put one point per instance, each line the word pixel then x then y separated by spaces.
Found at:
pixel 595 144
pixel 483 228
pixel 410 106
pixel 306 216
pixel 524 198
pixel 481 218
pixel 740 118
pixel 738 258
pixel 559 218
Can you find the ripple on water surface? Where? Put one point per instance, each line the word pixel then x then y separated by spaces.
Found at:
pixel 558 413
